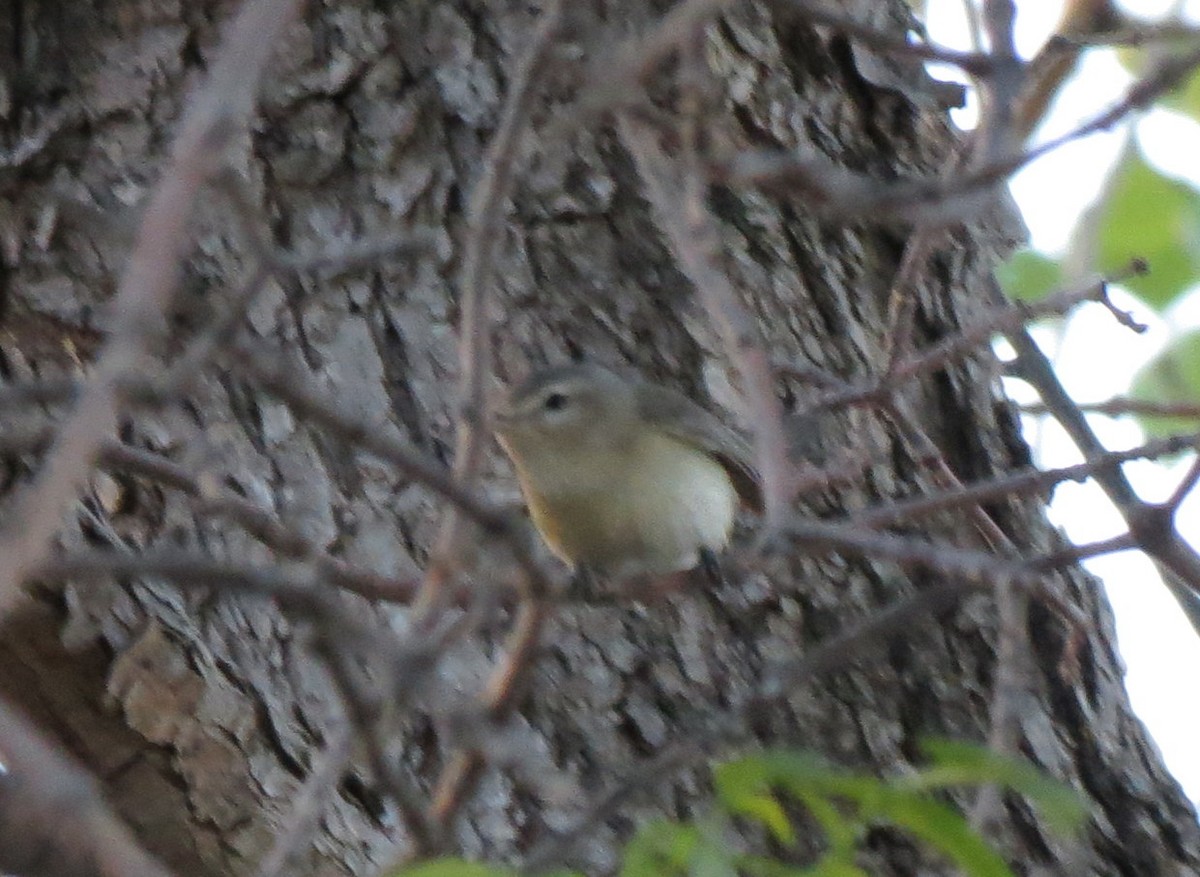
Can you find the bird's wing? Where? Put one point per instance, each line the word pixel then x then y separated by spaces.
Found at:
pixel 684 420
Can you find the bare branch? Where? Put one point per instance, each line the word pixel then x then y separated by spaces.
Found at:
pixel 1119 406
pixel 1153 526
pixel 971 338
pixel 1186 485
pixel 53 820
pixel 1076 553
pixel 147 286
pixel 694 241
pixel 961 563
pixel 484 229
pixel 728 726
pixel 296 830
pixel 1016 483
pixel 342 640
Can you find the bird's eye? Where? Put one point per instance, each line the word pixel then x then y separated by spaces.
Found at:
pixel 555 402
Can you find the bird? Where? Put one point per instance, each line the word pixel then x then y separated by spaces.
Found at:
pixel 621 476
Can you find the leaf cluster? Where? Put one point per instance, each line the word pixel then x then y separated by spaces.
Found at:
pixel 765 789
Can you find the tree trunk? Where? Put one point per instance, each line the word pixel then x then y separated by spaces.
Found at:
pixel 202 713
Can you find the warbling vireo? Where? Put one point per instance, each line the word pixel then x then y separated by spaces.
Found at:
pixel 621 476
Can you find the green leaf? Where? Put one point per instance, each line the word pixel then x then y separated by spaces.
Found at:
pixel 711 860
pixel 767 810
pixel 958 763
pixel 1171 378
pixel 841 831
pixel 944 829
pixel 760 866
pixel 660 848
pixel 713 856
pixel 804 773
pixel 844 802
pixel 743 789
pixel 1028 275
pixel 1185 99
pixel 1144 213
pixel 663 848
pixel 450 867
pixel 740 778
pixel 1132 58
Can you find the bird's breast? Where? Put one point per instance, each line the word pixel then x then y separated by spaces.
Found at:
pixel 646 508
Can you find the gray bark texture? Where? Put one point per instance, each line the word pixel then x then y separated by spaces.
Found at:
pixel 200 714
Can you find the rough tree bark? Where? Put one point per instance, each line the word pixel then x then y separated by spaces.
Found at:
pixel 201 714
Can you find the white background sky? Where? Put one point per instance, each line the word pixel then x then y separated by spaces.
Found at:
pixel 1096 358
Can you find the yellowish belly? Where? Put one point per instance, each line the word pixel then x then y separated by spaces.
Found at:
pixel 650 515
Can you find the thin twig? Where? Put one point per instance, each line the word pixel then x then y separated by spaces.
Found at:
pixel 51 391
pixel 1184 487
pixel 499 698
pixel 1153 526
pixel 273 373
pixel 285 382
pixel 957 196
pixel 779 681
pixel 694 241
pixel 459 777
pixel 1017 483
pixel 209 128
pixel 965 564
pixel 484 229
pixel 53 818
pixel 1134 36
pixel 1075 553
pixel 615 76
pixel 341 639
pixel 1120 406
pixel 214 498
pixel 297 829
pixel 970 339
